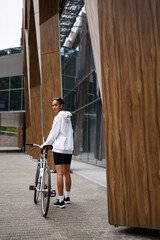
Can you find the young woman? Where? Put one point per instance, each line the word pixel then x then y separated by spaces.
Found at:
pixel 61 138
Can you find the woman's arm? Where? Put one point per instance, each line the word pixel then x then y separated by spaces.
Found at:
pixel 53 132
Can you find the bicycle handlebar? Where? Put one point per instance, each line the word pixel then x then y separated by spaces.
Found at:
pixel 47 147
pixel 33 145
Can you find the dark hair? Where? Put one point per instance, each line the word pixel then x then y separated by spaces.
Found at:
pixel 60 100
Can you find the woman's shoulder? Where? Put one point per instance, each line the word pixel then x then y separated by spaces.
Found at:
pixel 64 114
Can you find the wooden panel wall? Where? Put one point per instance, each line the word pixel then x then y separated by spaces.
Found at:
pixel 35 84
pixel 93 23
pixel 42 64
pixel 26 91
pixel 26 74
pixel 32 81
pixel 19 137
pixel 130 60
pixel 50 56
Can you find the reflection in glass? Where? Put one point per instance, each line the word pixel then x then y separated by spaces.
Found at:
pixel 68 61
pixel 4 83
pixel 16 82
pixel 5 52
pixel 23 102
pixel 4 97
pixel 81 95
pixel 16 50
pixel 15 100
pixel 89 133
pixel 9 99
pixel 11 51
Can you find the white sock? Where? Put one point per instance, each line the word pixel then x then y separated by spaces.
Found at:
pixel 61 198
pixel 67 194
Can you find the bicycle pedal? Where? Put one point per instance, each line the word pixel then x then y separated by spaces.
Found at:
pixel 32 188
pixel 52 193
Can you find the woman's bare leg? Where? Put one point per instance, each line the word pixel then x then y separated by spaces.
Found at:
pixel 67 177
pixel 59 170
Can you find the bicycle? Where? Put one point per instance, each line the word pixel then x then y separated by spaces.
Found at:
pixel 43 180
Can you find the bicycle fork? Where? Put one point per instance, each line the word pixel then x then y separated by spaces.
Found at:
pixel 33 188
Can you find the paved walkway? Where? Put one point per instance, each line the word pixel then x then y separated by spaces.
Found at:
pixel 84 219
pixel 91 172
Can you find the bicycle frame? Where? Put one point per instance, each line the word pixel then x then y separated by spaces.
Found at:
pixel 43 164
pixel 43 180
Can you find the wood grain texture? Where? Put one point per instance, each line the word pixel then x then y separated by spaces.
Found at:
pixel 35 84
pixel 19 137
pixel 49 26
pixel 51 88
pixel 92 17
pixel 130 60
pixel 35 81
pixel 42 64
pixel 32 87
pixel 37 27
pixel 26 77
pixel 47 9
pixel 27 13
pixel 50 59
pixel 26 85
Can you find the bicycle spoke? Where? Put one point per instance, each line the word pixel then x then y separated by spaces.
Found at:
pixel 46 186
pixel 42 180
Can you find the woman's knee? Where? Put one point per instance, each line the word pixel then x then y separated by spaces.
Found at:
pixel 59 170
pixel 66 169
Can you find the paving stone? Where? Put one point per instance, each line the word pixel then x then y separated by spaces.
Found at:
pixel 85 218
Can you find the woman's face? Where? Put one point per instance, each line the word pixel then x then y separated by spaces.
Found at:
pixel 56 106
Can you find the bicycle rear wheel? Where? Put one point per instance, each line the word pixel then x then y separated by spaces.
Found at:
pixel 46 188
pixel 37 184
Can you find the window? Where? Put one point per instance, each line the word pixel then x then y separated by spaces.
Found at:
pixel 4 83
pixel 12 93
pixel 81 93
pixel 16 82
pixel 4 100
pixel 15 100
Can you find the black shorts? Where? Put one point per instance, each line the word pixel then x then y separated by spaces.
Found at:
pixel 61 158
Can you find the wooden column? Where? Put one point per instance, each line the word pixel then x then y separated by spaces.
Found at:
pixel 50 57
pixel 32 80
pixel 35 82
pixel 130 60
pixel 27 91
pixel 93 23
pixel 26 73
pixel 19 137
pixel 42 65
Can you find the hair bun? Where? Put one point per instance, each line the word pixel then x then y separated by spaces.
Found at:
pixel 60 100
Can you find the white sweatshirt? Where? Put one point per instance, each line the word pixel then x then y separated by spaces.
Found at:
pixel 61 134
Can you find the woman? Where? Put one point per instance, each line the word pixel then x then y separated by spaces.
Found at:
pixel 61 138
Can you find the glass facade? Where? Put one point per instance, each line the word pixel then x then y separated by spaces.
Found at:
pixel 11 51
pixel 81 93
pixel 11 87
pixel 12 93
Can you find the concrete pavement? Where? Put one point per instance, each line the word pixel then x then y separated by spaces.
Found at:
pixel 90 172
pixel 85 218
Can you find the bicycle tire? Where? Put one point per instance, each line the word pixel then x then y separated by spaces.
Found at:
pixel 37 184
pixel 46 188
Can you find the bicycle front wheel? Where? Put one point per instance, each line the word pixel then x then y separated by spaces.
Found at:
pixel 37 184
pixel 46 187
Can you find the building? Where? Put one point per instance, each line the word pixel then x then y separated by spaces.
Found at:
pixel 102 57
pixel 11 97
